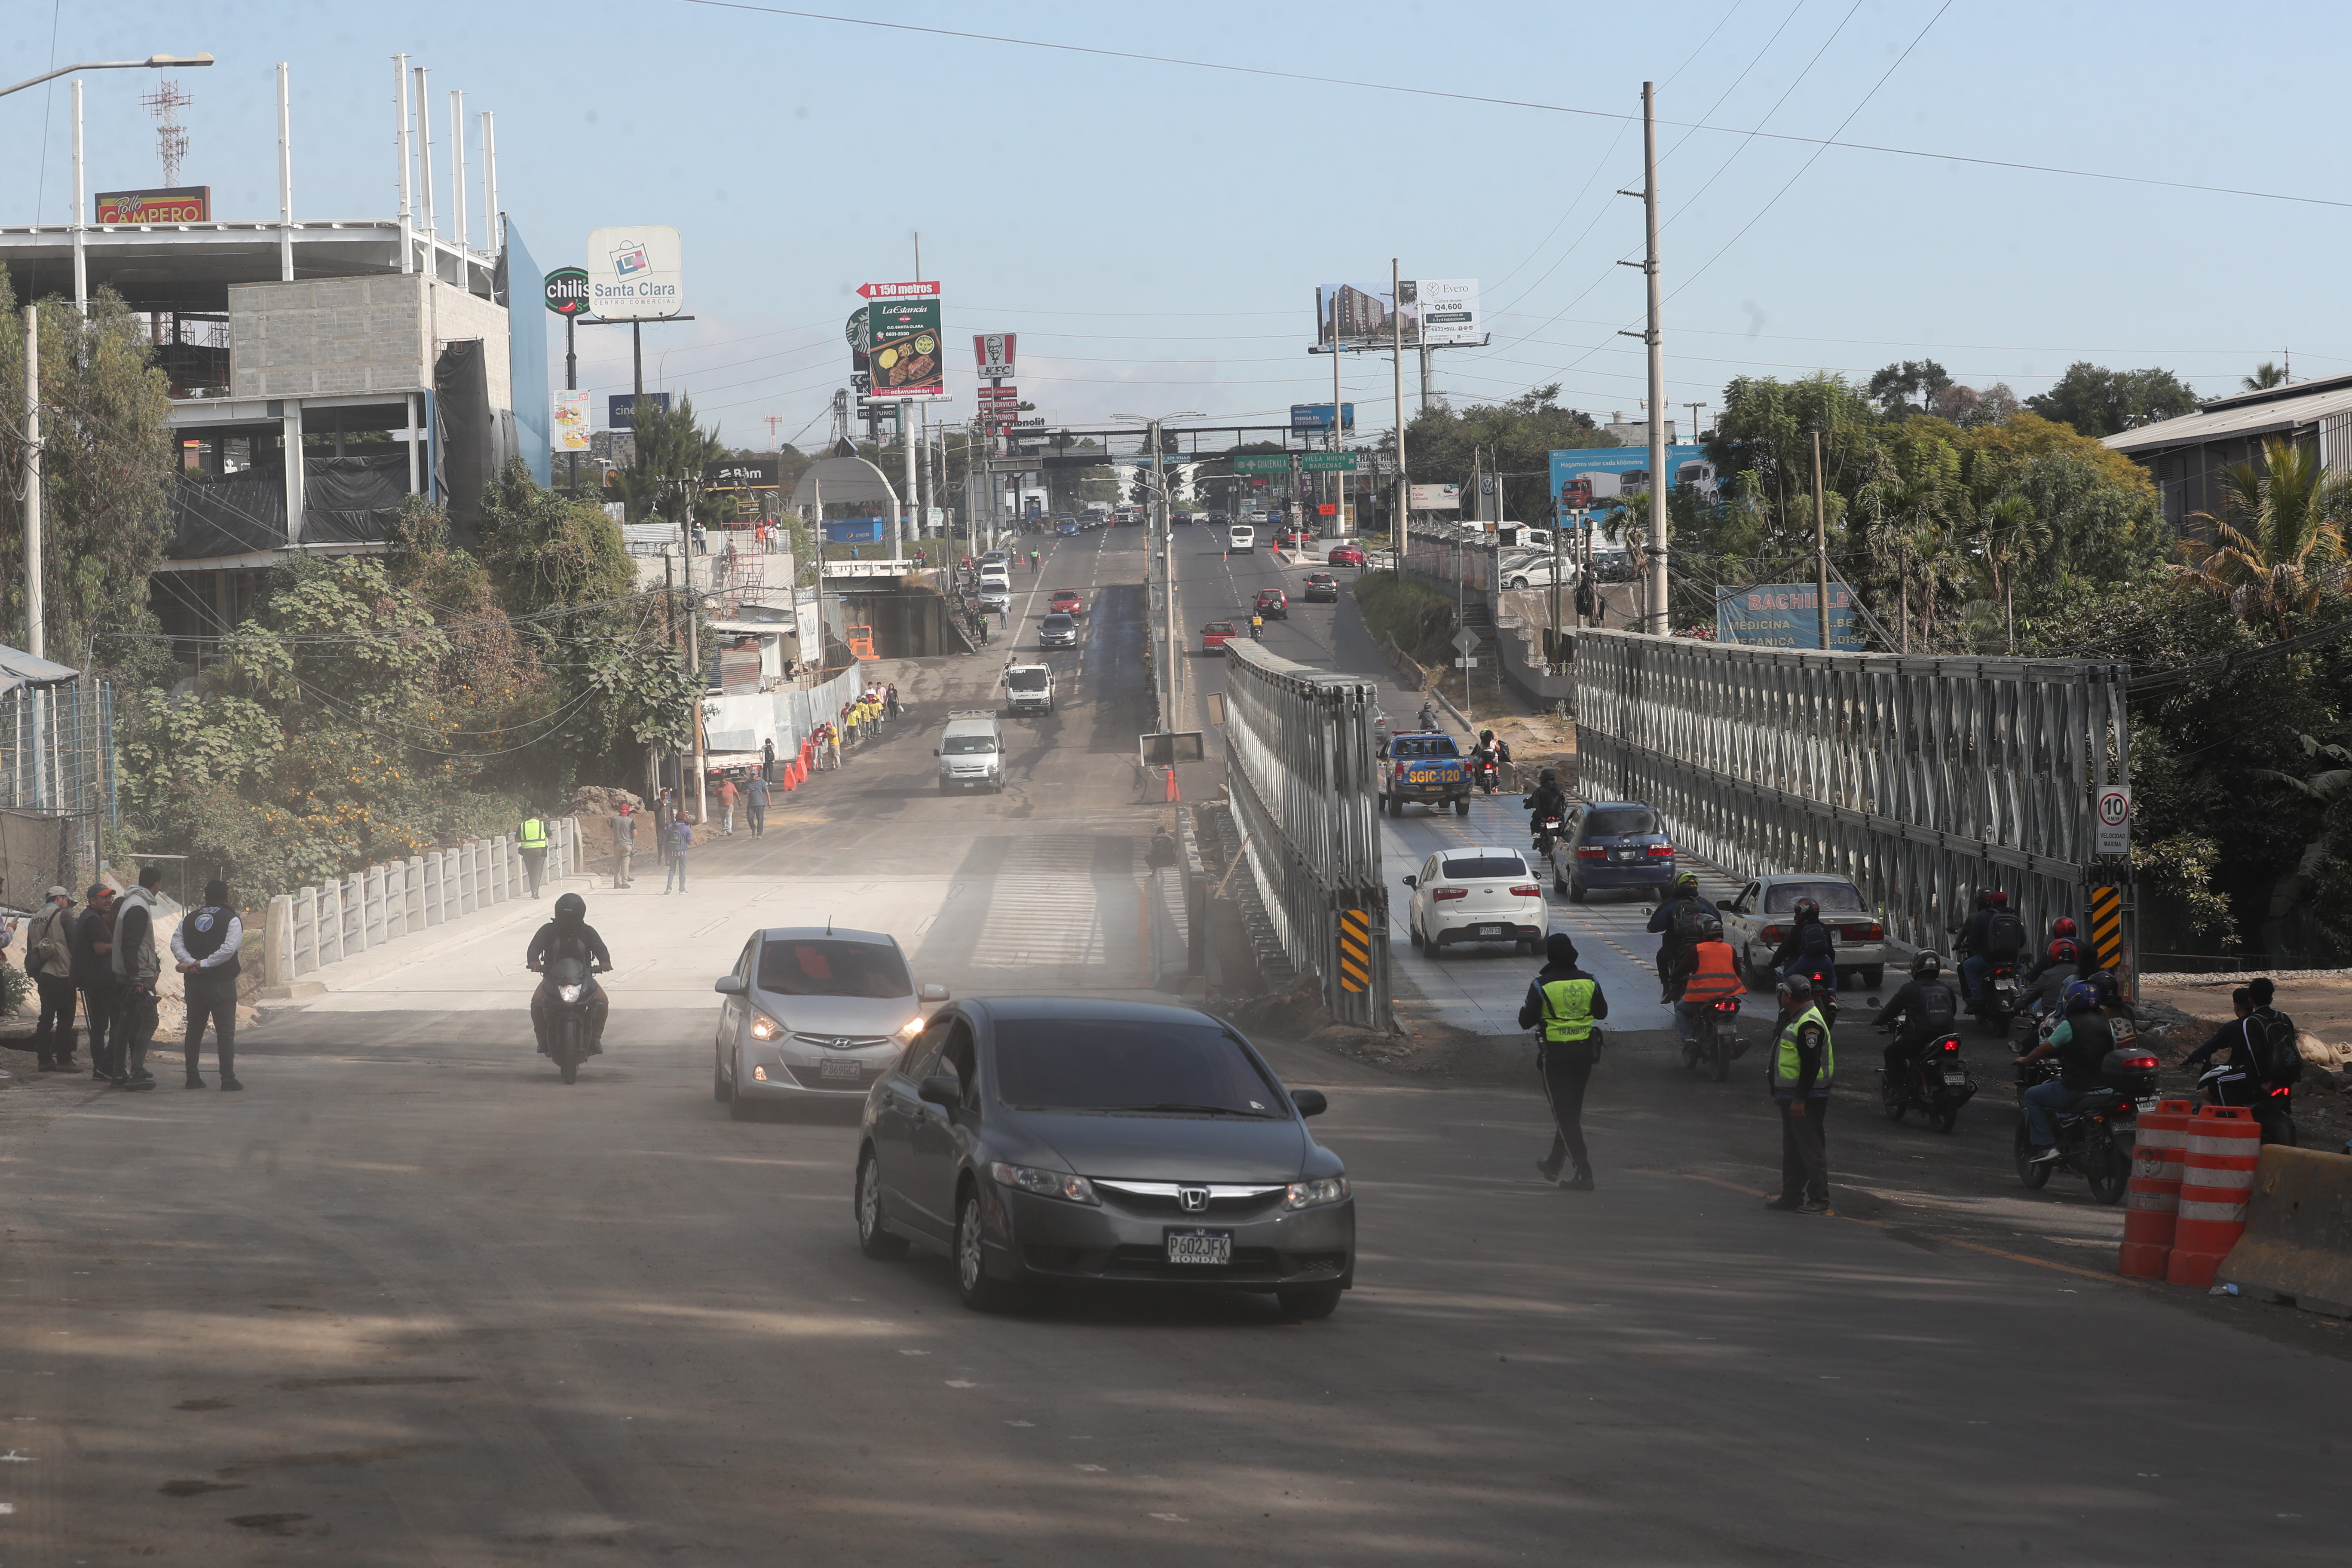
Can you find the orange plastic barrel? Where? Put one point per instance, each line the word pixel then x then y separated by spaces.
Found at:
pixel 2217 1175
pixel 2152 1202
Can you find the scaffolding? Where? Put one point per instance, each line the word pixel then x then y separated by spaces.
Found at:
pixel 57 785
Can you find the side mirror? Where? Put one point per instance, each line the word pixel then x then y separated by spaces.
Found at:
pixel 1310 1102
pixel 728 985
pixel 932 993
pixel 1412 882
pixel 944 1090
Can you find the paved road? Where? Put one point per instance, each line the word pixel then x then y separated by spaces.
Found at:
pixel 410 1300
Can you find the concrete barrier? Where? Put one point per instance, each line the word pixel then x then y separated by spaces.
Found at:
pixel 2297 1247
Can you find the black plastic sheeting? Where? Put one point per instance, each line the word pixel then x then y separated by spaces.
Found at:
pixel 346 501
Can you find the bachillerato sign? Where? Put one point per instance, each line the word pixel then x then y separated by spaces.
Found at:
pixel 181 203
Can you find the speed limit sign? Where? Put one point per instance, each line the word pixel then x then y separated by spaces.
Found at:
pixel 2111 822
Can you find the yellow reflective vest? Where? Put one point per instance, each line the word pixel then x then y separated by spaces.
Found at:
pixel 1788 1069
pixel 534 833
pixel 1567 1009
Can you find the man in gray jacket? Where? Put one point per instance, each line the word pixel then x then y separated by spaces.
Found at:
pixel 136 965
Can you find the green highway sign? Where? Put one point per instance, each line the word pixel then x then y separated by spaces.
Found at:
pixel 1262 463
pixel 1329 463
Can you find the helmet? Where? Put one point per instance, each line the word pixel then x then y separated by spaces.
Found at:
pixel 570 909
pixel 1547 776
pixel 2081 995
pixel 1984 898
pixel 1710 929
pixel 1799 987
pixel 2063 926
pixel 1927 965
pixel 1686 879
pixel 1999 899
pixel 1807 909
pixel 2064 952
pixel 1486 734
pixel 2102 982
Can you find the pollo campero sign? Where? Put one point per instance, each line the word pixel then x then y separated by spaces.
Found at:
pixel 181 203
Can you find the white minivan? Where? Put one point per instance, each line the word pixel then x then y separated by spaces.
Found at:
pixel 1241 536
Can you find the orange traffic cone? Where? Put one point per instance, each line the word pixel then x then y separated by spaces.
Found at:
pixel 1173 794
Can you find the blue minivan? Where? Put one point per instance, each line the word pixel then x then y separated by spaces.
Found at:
pixel 1613 845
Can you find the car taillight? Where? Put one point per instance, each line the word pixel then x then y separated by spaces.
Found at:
pixel 1526 890
pixel 1771 935
pixel 1591 852
pixel 1442 894
pixel 1661 851
pixel 1861 934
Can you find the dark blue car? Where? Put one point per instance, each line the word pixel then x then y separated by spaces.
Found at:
pixel 1612 843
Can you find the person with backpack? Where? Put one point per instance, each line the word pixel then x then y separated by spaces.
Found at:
pixel 205 947
pixel 48 959
pixel 1994 935
pixel 1809 949
pixel 1925 1010
pixel 1679 921
pixel 2265 1061
pixel 2095 1023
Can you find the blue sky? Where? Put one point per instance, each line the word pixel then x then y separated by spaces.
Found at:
pixel 1154 232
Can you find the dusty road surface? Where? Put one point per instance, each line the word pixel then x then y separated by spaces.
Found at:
pixel 411 1300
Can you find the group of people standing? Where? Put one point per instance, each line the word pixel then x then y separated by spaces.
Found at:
pixel 864 715
pixel 104 960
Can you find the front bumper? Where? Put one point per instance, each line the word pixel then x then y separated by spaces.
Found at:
pixel 766 1071
pixel 970 781
pixel 1125 1239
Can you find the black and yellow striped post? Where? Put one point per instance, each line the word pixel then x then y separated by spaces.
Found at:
pixel 1355 949
pixel 2107 926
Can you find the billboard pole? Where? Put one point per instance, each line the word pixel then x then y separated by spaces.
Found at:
pixel 1403 520
pixel 1820 547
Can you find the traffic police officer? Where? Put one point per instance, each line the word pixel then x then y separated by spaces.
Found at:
pixel 1564 1001
pixel 1803 1063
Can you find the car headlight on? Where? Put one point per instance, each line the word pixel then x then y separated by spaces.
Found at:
pixel 1045 1183
pixel 569 993
pixel 765 1028
pixel 1315 1193
pixel 911 1028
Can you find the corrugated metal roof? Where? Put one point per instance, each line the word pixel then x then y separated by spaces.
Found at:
pixel 2220 422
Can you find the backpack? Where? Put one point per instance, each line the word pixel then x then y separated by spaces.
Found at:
pixel 1813 941
pixel 1938 1005
pixel 47 949
pixel 2273 1035
pixel 1688 921
pixel 2004 935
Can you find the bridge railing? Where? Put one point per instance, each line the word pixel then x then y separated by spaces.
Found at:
pixel 1299 769
pixel 1922 779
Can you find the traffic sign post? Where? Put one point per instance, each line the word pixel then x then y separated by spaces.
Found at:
pixel 1328 463
pixel 2111 824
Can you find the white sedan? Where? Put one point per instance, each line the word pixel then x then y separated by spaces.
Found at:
pixel 1481 894
pixel 1755 922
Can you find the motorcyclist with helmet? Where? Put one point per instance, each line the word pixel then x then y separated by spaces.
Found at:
pixel 1993 936
pixel 1711 972
pixel 569 935
pixel 1547 799
pixel 2060 968
pixel 1488 752
pixel 2081 1041
pixel 2063 929
pixel 1926 1007
pixel 2251 1075
pixel 1677 921
pixel 1809 949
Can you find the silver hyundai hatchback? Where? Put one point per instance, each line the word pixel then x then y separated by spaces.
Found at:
pixel 813 1014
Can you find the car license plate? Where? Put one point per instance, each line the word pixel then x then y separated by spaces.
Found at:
pixel 1955 1078
pixel 1199 1246
pixel 1493 930
pixel 837 1066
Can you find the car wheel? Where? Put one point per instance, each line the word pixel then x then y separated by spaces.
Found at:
pixel 946 788
pixel 719 1090
pixel 1462 806
pixel 1308 1302
pixel 1413 934
pixel 973 1287
pixel 739 1107
pixel 1396 807
pixel 1873 975
pixel 1559 886
pixel 1578 893
pixel 1432 946
pixel 874 1237
pixel 1755 979
pixel 1520 584
pixel 1528 946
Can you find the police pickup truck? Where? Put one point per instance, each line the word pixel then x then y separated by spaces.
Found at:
pixel 1423 766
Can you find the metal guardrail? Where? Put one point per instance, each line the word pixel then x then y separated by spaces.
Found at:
pixel 1921 779
pixel 1299 769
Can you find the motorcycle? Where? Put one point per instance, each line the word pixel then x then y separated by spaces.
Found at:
pixel 569 1039
pixel 2225 1084
pixel 1717 1031
pixel 1935 1082
pixel 1485 774
pixel 2094 1138
pixel 1824 979
pixel 1547 830
pixel 1998 1005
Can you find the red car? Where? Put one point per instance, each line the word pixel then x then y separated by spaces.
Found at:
pixel 1214 636
pixel 1344 555
pixel 1272 605
pixel 1067 602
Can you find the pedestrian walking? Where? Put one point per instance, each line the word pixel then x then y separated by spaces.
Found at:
pixel 533 839
pixel 205 947
pixel 681 839
pixel 1803 1063
pixel 725 795
pixel 136 965
pixel 93 976
pixel 48 959
pixel 768 759
pixel 624 842
pixel 890 701
pixel 1562 1003
pixel 755 804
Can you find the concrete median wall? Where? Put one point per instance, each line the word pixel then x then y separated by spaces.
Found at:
pixel 2298 1241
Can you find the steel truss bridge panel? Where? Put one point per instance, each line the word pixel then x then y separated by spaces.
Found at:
pixel 1921 779
pixel 1300 768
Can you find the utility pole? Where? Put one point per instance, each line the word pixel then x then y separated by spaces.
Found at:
pixel 1424 378
pixel 1658 618
pixel 36 611
pixel 1402 530
pixel 1694 407
pixel 1820 547
pixel 1161 529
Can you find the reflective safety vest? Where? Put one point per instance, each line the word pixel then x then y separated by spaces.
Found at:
pixel 534 833
pixel 1716 975
pixel 1567 1009
pixel 1788 1069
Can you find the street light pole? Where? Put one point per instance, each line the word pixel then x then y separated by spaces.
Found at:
pixel 152 62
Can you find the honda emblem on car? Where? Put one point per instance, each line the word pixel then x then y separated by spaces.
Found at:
pixel 1193 1200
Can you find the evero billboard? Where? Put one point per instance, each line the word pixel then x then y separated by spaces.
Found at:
pixel 1602 479
pixel 1440 311
pixel 1436 311
pixel 1785 615
pixel 635 274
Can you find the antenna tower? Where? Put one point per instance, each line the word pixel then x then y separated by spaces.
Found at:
pixel 170 137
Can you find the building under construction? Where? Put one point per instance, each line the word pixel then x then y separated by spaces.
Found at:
pixel 322 370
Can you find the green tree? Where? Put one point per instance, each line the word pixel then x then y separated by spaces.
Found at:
pixel 664 478
pixel 2281 526
pixel 1909 387
pixel 2097 401
pixel 2266 376
pixel 1515 438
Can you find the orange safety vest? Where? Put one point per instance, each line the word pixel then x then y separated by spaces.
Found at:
pixel 1716 975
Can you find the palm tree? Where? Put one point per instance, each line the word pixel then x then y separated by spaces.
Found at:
pixel 2009 535
pixel 2266 376
pixel 2279 533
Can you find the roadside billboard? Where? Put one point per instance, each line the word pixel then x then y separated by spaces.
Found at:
pixel 176 204
pixel 1440 311
pixel 1436 498
pixel 1600 478
pixel 1355 314
pixel 1785 615
pixel 621 408
pixel 1436 311
pixel 571 421
pixel 904 342
pixel 994 353
pixel 635 274
pixel 1317 415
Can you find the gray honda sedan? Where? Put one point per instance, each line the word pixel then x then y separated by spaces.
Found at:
pixel 1054 1139
pixel 813 1013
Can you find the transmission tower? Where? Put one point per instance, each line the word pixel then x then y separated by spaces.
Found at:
pixel 170 137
